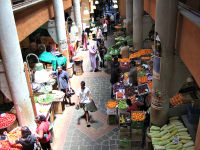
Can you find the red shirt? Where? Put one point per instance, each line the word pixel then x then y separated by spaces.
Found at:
pixel 44 126
pixel 135 106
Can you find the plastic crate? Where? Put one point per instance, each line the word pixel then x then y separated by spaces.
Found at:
pixel 137 124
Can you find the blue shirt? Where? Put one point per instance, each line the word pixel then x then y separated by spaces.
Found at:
pixel 62 79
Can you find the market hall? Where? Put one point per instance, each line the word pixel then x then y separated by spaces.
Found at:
pixel 90 74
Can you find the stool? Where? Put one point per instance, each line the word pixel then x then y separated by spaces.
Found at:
pixel 78 68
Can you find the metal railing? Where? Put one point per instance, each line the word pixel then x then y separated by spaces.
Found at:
pixel 21 4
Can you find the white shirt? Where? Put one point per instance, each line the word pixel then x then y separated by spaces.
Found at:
pixel 84 95
pixel 105 27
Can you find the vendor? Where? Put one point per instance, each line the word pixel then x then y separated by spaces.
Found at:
pixel 124 51
pixel 43 132
pixel 27 140
pixel 133 106
pixel 133 74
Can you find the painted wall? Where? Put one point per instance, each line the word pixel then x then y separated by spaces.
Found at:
pixel 188 46
pixel 122 8
pixel 30 19
pixel 150 7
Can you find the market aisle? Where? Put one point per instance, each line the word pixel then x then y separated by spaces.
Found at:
pixel 99 135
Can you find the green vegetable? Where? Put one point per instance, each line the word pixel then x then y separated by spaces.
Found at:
pixel 107 57
pixel 188 144
pixel 182 130
pixel 122 104
pixel 155 128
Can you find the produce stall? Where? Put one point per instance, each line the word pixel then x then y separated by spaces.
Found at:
pixel 11 137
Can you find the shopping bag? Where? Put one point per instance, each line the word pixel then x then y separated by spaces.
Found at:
pixel 91 106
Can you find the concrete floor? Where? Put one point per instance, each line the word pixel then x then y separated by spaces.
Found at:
pixel 100 136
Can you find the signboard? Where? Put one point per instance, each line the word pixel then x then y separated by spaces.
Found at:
pixel 51 27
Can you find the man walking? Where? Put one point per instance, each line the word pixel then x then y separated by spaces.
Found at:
pixel 64 84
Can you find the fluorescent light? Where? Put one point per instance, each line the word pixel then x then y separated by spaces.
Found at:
pixel 97 2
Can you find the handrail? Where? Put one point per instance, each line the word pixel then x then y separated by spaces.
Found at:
pixel 25 4
pixel 189 8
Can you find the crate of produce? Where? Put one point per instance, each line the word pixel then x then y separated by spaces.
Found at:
pixel 124 120
pixel 112 120
pixel 137 124
pixel 111 107
pixel 143 89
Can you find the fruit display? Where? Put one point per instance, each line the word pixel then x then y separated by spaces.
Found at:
pixel 118 86
pixel 14 135
pixel 5 145
pixel 150 84
pixel 132 98
pixel 171 136
pixel 138 116
pixel 122 104
pixel 142 79
pixel 6 119
pixel 130 90
pixel 123 60
pixel 145 58
pixel 119 95
pixel 176 100
pixel 140 53
pixel 143 89
pixel 126 75
pixel 111 104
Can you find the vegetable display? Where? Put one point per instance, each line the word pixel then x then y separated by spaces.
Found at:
pixel 172 136
pixel 111 104
pixel 124 60
pixel 45 99
pixel 107 57
pixel 122 104
pixel 5 145
pixel 138 116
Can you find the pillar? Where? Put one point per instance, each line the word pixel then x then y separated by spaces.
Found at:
pixel 60 28
pixel 77 14
pixel 165 27
pixel 14 67
pixel 129 17
pixel 138 8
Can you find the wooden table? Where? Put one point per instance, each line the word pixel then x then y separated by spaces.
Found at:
pixel 46 110
pixel 58 104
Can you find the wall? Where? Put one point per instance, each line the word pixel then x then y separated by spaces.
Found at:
pixel 122 8
pixel 30 19
pixel 188 46
pixel 150 7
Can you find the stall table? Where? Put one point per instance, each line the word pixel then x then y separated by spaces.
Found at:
pixel 46 110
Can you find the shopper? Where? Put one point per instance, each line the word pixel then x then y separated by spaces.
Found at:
pixel 28 140
pixel 99 36
pixel 64 84
pixel 133 74
pixel 84 39
pixel 115 63
pixel 42 132
pixel 85 99
pixel 102 52
pixel 105 30
pixel 124 51
pixel 114 78
pixel 93 54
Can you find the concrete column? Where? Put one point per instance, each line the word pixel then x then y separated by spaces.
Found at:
pixel 165 26
pixel 77 14
pixel 129 17
pixel 14 67
pixel 60 28
pixel 138 8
